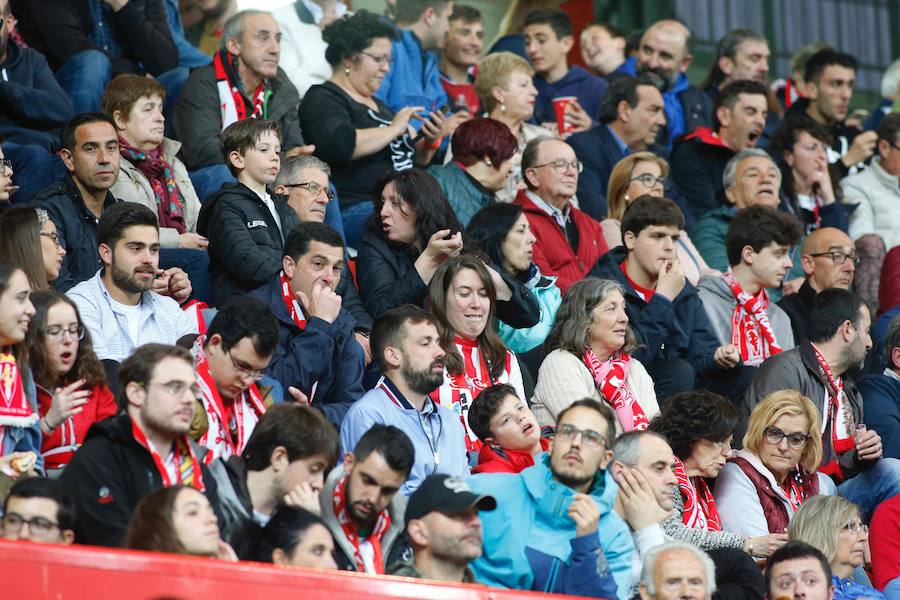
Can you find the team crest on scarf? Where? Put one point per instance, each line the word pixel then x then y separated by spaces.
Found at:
pixel 15 411
pixel 750 327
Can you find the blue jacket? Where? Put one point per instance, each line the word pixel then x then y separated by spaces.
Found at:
pixel 599 151
pixel 578 82
pixel 466 195
pixel 881 407
pixel 530 543
pixel 414 78
pixel 520 340
pixel 189 56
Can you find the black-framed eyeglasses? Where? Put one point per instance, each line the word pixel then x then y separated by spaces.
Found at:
pixel 5 165
pixel 380 59
pixel 838 258
pixel 243 371
pixel 75 332
pixel 795 440
pixel 591 438
pixel 648 180
pixel 313 188
pixel 39 526
pixel 560 166
pixel 53 237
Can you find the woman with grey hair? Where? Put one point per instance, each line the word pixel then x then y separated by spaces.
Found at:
pixel 590 348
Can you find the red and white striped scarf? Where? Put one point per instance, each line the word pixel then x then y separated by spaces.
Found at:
pixel 348 526
pixel 610 378
pixel 187 467
pixel 838 415
pixel 700 510
pixel 750 327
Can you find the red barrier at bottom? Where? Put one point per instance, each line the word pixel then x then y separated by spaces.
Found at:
pixel 34 571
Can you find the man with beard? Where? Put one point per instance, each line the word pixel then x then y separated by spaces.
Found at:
pixel 554 529
pixel 839 339
pixel 406 346
pixel 361 506
pixel 117 305
pixel 140 450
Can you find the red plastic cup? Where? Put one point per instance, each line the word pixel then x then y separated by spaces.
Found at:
pixel 559 105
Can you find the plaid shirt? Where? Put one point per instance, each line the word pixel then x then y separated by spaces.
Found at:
pixel 104 34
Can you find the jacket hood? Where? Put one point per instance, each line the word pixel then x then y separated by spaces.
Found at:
pixel 13 55
pixel 716 285
pixel 552 498
pixel 707 137
pixel 117 429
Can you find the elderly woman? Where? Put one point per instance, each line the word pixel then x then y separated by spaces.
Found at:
pixel 28 238
pixel 763 485
pixel 483 150
pixel 644 174
pixel 834 525
pixel 353 131
pixel 699 426
pixel 590 346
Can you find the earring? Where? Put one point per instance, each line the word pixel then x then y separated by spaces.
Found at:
pixel 346 70
pixel 502 108
pixel 487 161
pixel 627 198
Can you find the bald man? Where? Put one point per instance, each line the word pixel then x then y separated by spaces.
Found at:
pixel 829 259
pixel 666 51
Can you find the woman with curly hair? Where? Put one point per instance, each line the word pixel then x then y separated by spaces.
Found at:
pixel 356 133
pixel 699 426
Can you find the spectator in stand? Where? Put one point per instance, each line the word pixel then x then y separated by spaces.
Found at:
pixel 283 463
pixel 884 543
pixel 569 241
pixel 881 394
pixel 638 174
pixel 463 299
pixel 699 427
pixel 798 570
pixel 28 239
pixel 294 537
pixel 502 233
pixel 244 82
pixel 71 383
pixel 700 159
pixel 838 332
pixel 829 77
pixel 665 49
pixel 118 305
pixel 508 95
pixel 180 520
pixel 444 530
pixel 357 134
pixel 677 570
pixel 836 527
pixel 602 48
pixel 361 505
pixel 763 485
pixel 20 438
pixel 7 187
pixel 189 56
pixel 87 43
pixel 140 450
pixel 554 529
pixel 302 47
pixel 460 54
pixel 204 20
pixel 483 153
pixel 45 506
pixel 509 432
pixel 664 310
pixel 751 178
pixel 548 39
pixel 229 361
pixel 829 260
pixel 590 349
pixel 245 224
pixel 630 116
pixel 317 355
pixel 407 348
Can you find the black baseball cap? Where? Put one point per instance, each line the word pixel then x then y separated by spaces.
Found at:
pixel 445 494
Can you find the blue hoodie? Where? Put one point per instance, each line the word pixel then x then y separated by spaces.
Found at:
pixel 578 82
pixel 530 543
pixel 414 78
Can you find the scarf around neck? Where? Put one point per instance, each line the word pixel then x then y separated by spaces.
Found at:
pixel 700 510
pixel 610 378
pixel 159 172
pixel 231 101
pixel 348 526
pixel 750 327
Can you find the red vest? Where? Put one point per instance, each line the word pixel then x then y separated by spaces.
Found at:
pixel 771 501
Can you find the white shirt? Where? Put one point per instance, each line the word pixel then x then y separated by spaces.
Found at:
pixel 270 204
pixel 132 314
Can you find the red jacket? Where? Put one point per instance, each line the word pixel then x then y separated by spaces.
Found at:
pixel 59 446
pixel 552 252
pixel 884 542
pixel 505 461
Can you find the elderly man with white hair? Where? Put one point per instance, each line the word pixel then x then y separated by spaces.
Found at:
pixel 677 571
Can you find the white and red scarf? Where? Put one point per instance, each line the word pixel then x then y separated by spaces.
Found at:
pixel 839 416
pixel 382 524
pixel 700 510
pixel 290 302
pixel 245 412
pixel 610 378
pixel 750 327
pixel 187 467
pixel 233 107
pixel 15 411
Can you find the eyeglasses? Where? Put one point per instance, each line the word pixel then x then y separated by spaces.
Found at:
pixel 385 59
pixel 724 448
pixel 648 180
pixel 76 332
pixel 560 166
pixel 38 526
pixel 53 237
pixel 795 440
pixel 5 165
pixel 591 438
pixel 178 388
pixel 244 372
pixel 857 527
pixel 313 188
pixel 838 258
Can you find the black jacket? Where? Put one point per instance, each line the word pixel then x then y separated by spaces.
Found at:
pixel 107 477
pixel 798 306
pixel 60 29
pixel 77 230
pixel 387 278
pixel 598 150
pixel 841 139
pixel 235 504
pixel 697 164
pixel 246 246
pixel 666 330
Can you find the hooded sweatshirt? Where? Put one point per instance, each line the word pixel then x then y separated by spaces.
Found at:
pixel 578 82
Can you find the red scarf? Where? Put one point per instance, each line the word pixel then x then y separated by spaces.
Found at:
pixel 187 465
pixel 700 510
pixel 287 294
pixel 838 414
pixel 382 524
pixel 15 411
pixel 750 327
pixel 161 176
pixel 245 411
pixel 610 378
pixel 231 101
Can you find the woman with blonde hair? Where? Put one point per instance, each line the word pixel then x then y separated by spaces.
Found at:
pixel 644 174
pixel 763 486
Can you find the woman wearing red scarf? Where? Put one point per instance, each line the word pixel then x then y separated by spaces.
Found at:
pixel 591 344
pixel 699 425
